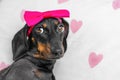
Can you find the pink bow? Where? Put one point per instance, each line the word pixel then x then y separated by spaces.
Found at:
pixel 34 17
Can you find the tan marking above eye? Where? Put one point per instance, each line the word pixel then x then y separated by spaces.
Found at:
pixel 56 22
pixel 44 25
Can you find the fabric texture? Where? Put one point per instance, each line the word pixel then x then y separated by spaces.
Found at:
pixel 93 43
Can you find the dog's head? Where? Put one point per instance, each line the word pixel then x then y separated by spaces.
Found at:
pixel 48 39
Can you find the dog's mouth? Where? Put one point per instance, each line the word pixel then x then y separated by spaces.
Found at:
pixel 55 58
pixel 49 56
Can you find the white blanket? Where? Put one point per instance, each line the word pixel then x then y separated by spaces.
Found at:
pixel 93 43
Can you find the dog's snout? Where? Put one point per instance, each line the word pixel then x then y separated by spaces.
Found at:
pixel 57 52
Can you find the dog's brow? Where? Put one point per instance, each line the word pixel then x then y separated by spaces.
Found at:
pixel 56 22
pixel 44 25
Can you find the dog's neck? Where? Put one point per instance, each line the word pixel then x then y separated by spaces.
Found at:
pixel 44 64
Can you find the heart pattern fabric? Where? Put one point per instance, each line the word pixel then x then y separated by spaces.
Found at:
pixel 62 1
pixel 94 59
pixel 116 4
pixel 3 65
pixel 75 25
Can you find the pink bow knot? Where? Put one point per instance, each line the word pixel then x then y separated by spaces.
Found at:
pixel 46 15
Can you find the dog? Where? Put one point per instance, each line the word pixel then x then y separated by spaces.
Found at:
pixel 34 56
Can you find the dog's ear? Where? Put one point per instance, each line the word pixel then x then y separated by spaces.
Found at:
pixel 65 33
pixel 20 43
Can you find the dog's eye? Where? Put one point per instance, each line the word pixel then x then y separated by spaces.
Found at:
pixel 40 30
pixel 60 28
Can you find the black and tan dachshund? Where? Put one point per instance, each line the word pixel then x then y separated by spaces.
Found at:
pixel 34 56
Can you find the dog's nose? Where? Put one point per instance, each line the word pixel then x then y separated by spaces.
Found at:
pixel 57 52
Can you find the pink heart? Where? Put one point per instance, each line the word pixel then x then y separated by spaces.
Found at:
pixel 94 59
pixel 75 25
pixel 3 65
pixel 62 1
pixel 116 4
